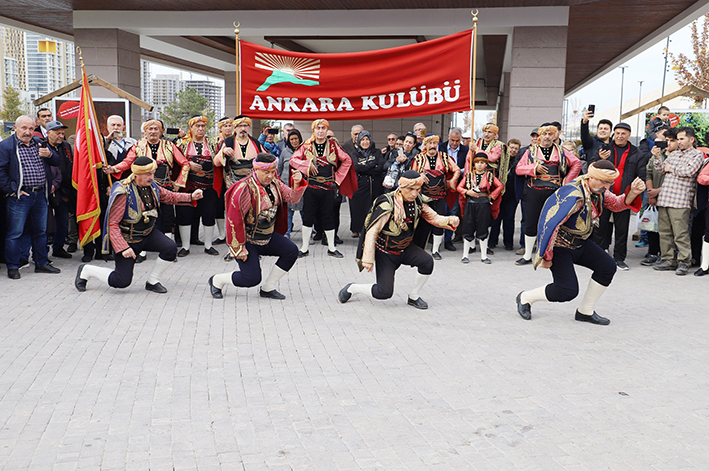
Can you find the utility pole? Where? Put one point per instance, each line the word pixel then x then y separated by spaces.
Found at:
pixel 664 71
pixel 622 80
pixel 640 97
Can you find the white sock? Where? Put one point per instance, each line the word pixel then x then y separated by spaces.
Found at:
pixel 275 275
pixel 208 237
pixel 144 253
pixel 419 281
pixel 534 295
pixel 437 239
pixel 160 267
pixel 594 291
pixel 221 280
pixel 466 246
pixel 330 240
pixel 185 234
pixel 221 227
pixel 705 256
pixel 362 288
pixel 307 232
pixel 97 273
pixel 483 249
pixel 529 246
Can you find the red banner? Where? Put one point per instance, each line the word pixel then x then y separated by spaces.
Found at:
pixel 88 157
pixel 432 77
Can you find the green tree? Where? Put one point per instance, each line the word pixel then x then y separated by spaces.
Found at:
pixel 187 103
pixel 13 106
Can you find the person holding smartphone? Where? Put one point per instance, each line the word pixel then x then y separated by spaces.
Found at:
pixel 592 144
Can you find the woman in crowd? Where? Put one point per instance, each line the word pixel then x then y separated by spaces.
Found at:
pixel 369 165
pixel 293 141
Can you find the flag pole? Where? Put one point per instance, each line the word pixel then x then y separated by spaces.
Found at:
pixel 475 56
pixel 238 58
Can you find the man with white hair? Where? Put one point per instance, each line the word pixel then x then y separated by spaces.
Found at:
pixel 117 143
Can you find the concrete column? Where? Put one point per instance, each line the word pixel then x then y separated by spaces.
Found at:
pixel 113 55
pixel 230 94
pixel 503 113
pixel 536 79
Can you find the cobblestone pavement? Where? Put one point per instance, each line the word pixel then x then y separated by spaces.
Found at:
pixel 126 379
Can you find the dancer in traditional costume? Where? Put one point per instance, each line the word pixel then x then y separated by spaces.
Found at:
pixel 387 240
pixel 480 200
pixel 130 227
pixel 565 225
pixel 257 218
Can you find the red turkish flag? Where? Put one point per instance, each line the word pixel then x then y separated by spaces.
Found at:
pixel 427 78
pixel 88 157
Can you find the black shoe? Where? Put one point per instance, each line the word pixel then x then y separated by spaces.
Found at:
pixel 156 288
pixel 211 251
pixel 465 260
pixel 61 253
pixel 24 263
pixel 303 254
pixel 219 241
pixel 216 292
pixel 486 261
pixel 79 282
pixel 87 258
pixel 682 269
pixel 273 294
pixel 196 242
pixel 418 303
pixel 13 273
pixel 649 260
pixel 622 265
pixel 317 236
pixel 229 257
pixel 344 295
pixel 71 248
pixel 338 241
pixel 183 253
pixel 436 256
pixel 701 272
pixel 509 247
pixel 490 251
pixel 335 253
pixel 448 245
pixel 664 265
pixel 524 310
pixel 523 261
pixel 140 258
pixel 593 318
pixel 47 269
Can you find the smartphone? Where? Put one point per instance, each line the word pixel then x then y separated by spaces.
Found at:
pixel 606 146
pixel 273 131
pixel 174 131
pixel 661 144
pixel 117 134
pixel 43 144
pixel 592 109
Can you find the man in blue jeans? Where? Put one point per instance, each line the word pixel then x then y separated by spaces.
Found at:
pixel 25 177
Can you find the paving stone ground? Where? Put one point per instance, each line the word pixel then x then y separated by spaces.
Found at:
pixel 126 379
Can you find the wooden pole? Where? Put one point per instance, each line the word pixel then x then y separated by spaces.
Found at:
pixel 474 60
pixel 238 87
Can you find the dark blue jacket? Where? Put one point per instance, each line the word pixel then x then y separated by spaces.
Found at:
pixel 10 174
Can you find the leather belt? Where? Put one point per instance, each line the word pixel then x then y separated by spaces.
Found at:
pixel 34 189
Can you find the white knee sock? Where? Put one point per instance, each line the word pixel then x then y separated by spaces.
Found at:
pixel 221 280
pixel 208 237
pixel 529 246
pixel 466 247
pixel 330 240
pixel 534 295
pixel 437 239
pixel 221 227
pixel 275 275
pixel 185 234
pixel 144 253
pixel 419 281
pixel 307 231
pixel 483 249
pixel 97 273
pixel 160 267
pixel 594 291
pixel 363 288
pixel 705 256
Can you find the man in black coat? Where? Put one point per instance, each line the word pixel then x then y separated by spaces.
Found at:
pixel 631 164
pixel 592 144
pixel 455 149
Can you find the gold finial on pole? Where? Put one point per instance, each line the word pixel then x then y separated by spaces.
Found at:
pixel 236 28
pixel 81 59
pixel 475 15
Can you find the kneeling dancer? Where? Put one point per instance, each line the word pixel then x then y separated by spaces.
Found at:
pixel 387 240
pixel 566 222
pixel 253 206
pixel 130 227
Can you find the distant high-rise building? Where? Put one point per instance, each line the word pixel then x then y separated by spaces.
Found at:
pixel 164 87
pixel 50 64
pixel 211 91
pixel 13 72
pixel 146 89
